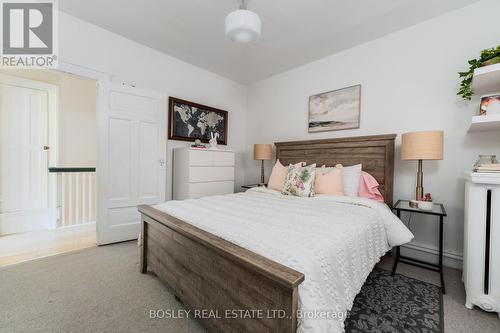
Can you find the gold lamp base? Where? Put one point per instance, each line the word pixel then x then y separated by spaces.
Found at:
pixel 261 173
pixel 419 190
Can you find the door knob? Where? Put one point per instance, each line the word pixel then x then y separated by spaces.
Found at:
pixel 45 147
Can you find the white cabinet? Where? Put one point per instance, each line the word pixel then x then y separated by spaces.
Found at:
pixel 481 265
pixel 199 173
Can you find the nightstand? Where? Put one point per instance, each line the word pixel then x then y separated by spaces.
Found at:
pixel 251 186
pixel 439 211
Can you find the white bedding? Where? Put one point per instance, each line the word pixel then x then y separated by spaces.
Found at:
pixel 334 241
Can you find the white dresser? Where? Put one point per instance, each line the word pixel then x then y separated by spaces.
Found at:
pixel 481 265
pixel 198 173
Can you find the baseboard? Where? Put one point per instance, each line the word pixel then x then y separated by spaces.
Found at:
pixel 429 253
pixel 75 226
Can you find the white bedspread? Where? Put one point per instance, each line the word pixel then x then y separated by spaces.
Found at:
pixel 334 241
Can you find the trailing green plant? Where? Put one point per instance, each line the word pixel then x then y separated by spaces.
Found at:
pixel 488 56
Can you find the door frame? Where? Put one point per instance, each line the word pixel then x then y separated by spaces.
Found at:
pixel 104 86
pixel 53 137
pixel 102 108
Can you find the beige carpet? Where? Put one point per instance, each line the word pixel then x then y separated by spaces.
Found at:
pixel 101 290
pixel 93 290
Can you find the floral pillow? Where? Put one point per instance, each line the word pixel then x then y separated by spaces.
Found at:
pixel 278 175
pixel 300 181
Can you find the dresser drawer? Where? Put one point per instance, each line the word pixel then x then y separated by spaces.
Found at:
pixel 210 158
pixel 198 190
pixel 210 174
pixel 200 158
pixel 223 158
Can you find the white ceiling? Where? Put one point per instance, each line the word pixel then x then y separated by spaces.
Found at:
pixel 294 32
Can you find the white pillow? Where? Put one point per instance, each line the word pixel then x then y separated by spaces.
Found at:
pixel 352 177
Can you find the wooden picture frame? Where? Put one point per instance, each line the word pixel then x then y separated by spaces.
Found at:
pixel 176 131
pixel 335 110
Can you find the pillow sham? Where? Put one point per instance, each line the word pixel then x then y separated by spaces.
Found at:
pixel 329 181
pixel 368 188
pixel 300 181
pixel 278 175
pixel 351 177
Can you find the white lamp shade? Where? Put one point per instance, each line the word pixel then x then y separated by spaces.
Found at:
pixel 243 26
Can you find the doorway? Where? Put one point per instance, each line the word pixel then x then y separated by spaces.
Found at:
pixel 48 156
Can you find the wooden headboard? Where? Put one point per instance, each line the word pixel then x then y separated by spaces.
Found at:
pixel 375 153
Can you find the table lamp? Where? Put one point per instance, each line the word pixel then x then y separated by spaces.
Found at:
pixel 262 152
pixel 425 145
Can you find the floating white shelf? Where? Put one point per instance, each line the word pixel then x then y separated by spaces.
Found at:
pixel 486 79
pixel 485 123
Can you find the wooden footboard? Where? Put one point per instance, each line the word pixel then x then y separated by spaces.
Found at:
pixel 228 288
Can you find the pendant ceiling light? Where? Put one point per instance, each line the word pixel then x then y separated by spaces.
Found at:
pixel 243 25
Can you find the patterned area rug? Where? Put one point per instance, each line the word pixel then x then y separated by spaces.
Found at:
pixel 396 304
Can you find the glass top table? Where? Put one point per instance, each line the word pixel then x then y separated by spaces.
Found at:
pixel 404 205
pixel 437 210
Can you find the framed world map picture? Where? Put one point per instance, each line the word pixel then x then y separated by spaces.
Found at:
pixel 189 121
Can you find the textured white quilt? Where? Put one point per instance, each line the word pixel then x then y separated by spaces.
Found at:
pixel 334 241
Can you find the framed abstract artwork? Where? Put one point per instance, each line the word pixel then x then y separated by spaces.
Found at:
pixel 335 110
pixel 188 121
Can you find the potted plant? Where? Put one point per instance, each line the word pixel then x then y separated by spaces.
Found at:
pixel 425 203
pixel 488 57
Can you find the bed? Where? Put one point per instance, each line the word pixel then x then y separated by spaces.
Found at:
pixel 263 262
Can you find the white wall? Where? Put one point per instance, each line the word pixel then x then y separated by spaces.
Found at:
pixel 77 122
pixel 89 46
pixel 409 81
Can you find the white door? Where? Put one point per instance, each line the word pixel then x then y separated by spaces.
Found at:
pixel 131 168
pixel 23 159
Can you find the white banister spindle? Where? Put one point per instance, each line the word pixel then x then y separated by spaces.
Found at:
pixel 85 189
pixel 77 198
pixel 91 196
pixel 70 199
pixel 63 200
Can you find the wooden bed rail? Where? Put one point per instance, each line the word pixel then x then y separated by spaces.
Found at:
pixel 208 273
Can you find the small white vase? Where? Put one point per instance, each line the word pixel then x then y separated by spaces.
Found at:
pixel 425 205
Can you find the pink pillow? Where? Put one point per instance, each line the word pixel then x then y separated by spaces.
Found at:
pixel 368 187
pixel 329 181
pixel 278 175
